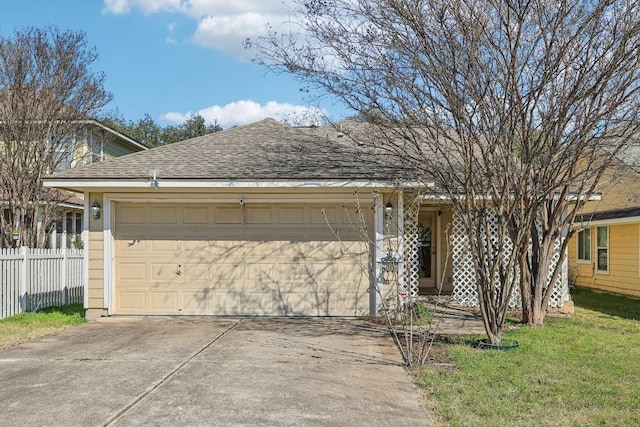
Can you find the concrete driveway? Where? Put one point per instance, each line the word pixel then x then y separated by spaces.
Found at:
pixel 208 371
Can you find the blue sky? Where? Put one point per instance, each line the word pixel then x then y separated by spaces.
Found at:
pixel 170 58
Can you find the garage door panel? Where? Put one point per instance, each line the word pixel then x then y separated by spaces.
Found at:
pixel 132 272
pixel 248 303
pixel 198 301
pixel 323 215
pixel 324 271
pixel 131 244
pixel 132 214
pixel 292 271
pixel 228 214
pixel 288 215
pixel 131 301
pixel 196 215
pixel 259 214
pixel 163 245
pixel 289 250
pixel 164 271
pixel 199 272
pixel 167 215
pixel 259 271
pixel 195 248
pixel 164 301
pixel 273 260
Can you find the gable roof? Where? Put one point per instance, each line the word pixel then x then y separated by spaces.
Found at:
pixel 631 157
pixel 119 135
pixel 266 150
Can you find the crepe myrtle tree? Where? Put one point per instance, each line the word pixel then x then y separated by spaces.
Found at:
pixel 47 87
pixel 514 108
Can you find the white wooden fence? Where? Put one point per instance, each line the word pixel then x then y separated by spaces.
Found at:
pixel 32 279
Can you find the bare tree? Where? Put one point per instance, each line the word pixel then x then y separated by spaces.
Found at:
pixel 46 88
pixel 513 108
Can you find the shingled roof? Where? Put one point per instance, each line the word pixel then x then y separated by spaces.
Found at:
pixel 266 150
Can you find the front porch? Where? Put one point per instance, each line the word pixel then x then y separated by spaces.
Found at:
pixel 432 253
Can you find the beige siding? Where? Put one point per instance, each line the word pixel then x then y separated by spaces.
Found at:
pixel 623 276
pixel 96 258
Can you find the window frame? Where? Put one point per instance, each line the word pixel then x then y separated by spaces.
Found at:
pixel 583 233
pixel 96 147
pixel 65 153
pixel 600 247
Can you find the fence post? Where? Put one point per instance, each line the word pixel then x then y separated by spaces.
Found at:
pixel 24 279
pixel 63 278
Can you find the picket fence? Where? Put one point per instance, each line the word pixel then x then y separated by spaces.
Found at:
pixel 32 279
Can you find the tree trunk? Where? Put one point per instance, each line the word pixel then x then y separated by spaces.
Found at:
pixel 525 288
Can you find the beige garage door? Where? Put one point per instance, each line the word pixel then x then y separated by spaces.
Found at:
pixel 233 259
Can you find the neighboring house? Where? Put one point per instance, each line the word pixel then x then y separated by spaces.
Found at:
pixel 264 219
pixel 92 142
pixel 604 253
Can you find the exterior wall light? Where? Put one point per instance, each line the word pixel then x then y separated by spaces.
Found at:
pixel 96 209
pixel 388 210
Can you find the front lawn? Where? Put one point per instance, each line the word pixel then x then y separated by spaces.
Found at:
pixel 584 370
pixel 30 326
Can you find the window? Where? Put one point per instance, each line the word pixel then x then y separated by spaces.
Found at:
pixel 78 229
pixel 97 153
pixel 64 155
pixel 602 249
pixel 584 245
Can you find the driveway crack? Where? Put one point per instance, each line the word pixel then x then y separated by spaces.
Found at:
pixel 164 379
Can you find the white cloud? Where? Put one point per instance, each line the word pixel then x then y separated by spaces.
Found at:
pixel 226 33
pixel 170 39
pixel 196 8
pixel 247 111
pixel 200 8
pixel 221 24
pixel 147 6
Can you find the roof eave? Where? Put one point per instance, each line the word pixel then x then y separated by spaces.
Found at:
pixel 144 184
pixel 118 134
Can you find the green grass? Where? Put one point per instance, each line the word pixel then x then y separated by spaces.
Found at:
pixel 29 326
pixel 584 370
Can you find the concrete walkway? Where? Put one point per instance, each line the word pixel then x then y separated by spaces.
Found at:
pixel 209 372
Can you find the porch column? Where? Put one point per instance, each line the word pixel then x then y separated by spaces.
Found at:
pixel 402 283
pixel 39 228
pixel 376 303
pixel 53 237
pixel 63 239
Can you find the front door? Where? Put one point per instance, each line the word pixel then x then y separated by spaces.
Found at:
pixel 427 249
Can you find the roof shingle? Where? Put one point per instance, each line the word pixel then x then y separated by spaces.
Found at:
pixel 266 150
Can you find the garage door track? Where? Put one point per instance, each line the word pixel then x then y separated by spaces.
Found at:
pixel 209 371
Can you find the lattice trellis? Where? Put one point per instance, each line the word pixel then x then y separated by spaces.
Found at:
pixel 464 277
pixel 411 245
pixel 560 292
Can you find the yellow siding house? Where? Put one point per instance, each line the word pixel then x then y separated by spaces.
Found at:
pixel 604 253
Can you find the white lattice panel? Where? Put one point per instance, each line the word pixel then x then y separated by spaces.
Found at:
pixel 560 293
pixel 464 277
pixel 411 245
